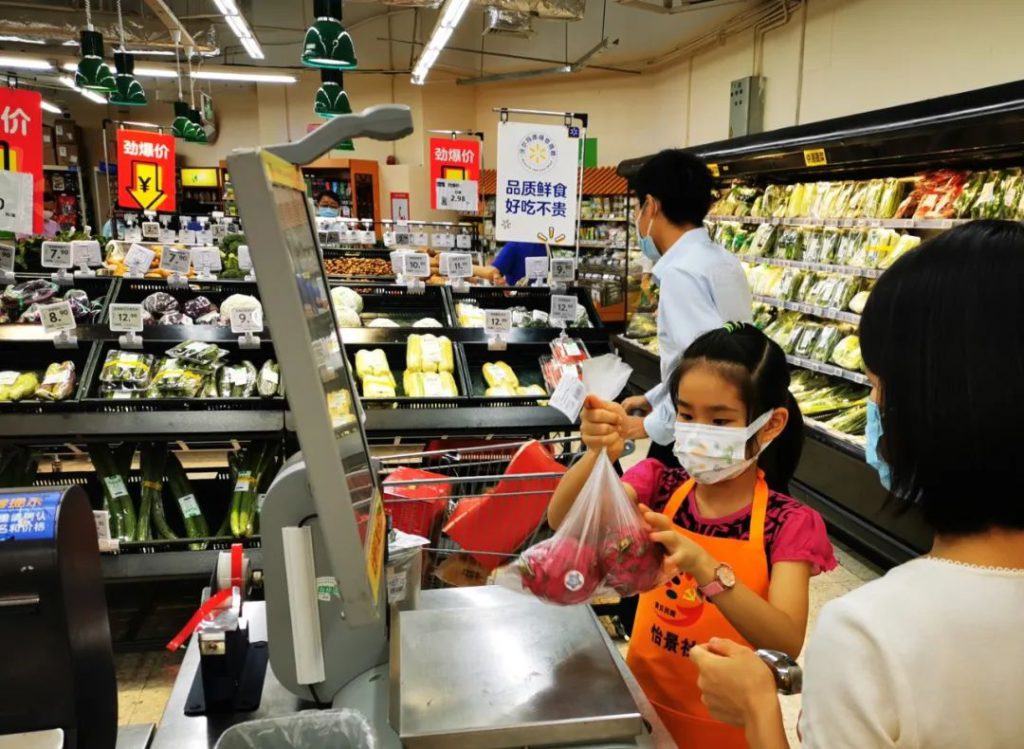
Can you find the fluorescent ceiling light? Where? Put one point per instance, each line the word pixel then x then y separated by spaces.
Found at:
pixel 24 63
pixel 21 39
pixel 90 95
pixel 52 108
pixel 216 75
pixel 451 14
pixel 240 27
pixel 141 71
pixel 142 124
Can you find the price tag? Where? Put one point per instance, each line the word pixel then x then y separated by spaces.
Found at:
pixel 815 157
pixel 420 239
pixel 368 237
pixel 497 321
pixel 417 264
pixel 139 258
pixel 563 308
pixel 150 229
pixel 6 259
pixel 187 236
pixel 244 258
pixel 246 320
pixel 168 235
pixel 189 506
pixel 713 168
pixel 569 395
pixel 56 255
pixel 563 269
pixel 8 378
pixel 460 265
pixel 86 253
pixel 176 260
pixel 398 262
pixel 537 267
pixel 207 259
pixel 218 230
pixel 204 237
pixel 389 239
pixel 126 318
pixel 57 317
pixel 464 241
pixel 133 234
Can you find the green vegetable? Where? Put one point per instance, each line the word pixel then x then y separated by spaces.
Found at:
pixel 269 379
pixel 237 380
pixel 153 460
pixel 256 460
pixel 181 490
pixel 116 499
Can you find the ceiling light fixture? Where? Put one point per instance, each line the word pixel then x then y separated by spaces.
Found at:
pixel 240 27
pixel 24 63
pixel 141 72
pixel 93 73
pixel 51 108
pixel 90 95
pixel 22 39
pixel 451 14
pixel 331 99
pixel 129 91
pixel 216 75
pixel 328 44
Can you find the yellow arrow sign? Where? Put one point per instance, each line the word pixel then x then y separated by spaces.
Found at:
pixel 146 186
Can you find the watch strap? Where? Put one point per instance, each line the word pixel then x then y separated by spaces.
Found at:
pixel 712 589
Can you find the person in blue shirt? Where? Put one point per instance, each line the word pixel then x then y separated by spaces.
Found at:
pixel 702 286
pixel 511 259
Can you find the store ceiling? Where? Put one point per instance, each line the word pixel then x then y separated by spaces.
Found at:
pixel 387 34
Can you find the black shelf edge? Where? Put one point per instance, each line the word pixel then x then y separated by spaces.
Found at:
pixel 91 426
pixel 467 420
pixel 185 564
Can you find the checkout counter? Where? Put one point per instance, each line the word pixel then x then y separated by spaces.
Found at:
pixel 475 668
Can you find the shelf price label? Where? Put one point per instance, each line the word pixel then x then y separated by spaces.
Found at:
pixel 497 321
pixel 176 260
pixel 464 241
pixel 168 235
pixel 6 258
pixel 715 172
pixel 204 237
pixel 815 157
pixel 244 258
pixel 139 259
pixel 537 267
pixel 187 236
pixel 207 259
pixel 442 240
pixel 246 320
pixel 56 255
pixel 420 239
pixel 57 317
pixel 86 253
pixel 563 269
pixel 150 229
pixel 416 264
pixel 126 318
pixel 459 265
pixel 563 308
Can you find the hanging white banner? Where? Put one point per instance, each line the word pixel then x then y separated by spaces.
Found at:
pixel 538 170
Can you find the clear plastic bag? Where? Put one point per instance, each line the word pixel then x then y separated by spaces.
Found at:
pixel 338 729
pixel 601 548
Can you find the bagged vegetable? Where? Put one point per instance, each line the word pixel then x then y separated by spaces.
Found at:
pixel 58 382
pixel 342 296
pixel 159 303
pixel 601 546
pixel 427 322
pixel 196 308
pixel 429 353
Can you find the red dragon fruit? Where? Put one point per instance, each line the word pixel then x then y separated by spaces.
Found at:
pixel 630 561
pixel 561 570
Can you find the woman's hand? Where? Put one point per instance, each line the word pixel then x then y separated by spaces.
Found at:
pixel 735 683
pixel 601 426
pixel 682 554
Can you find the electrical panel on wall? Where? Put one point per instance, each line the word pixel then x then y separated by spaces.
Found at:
pixel 746 106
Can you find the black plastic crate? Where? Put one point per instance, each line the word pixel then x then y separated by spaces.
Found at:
pixel 496 297
pixel 524 358
pixel 395 353
pixel 396 303
pixel 134 291
pixel 97 288
pixel 91 394
pixel 36 356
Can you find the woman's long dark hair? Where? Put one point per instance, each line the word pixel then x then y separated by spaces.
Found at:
pixel 756 365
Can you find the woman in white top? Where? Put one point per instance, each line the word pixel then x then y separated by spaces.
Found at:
pixel 931 655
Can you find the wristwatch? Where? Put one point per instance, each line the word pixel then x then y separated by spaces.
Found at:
pixel 725 579
pixel 789 677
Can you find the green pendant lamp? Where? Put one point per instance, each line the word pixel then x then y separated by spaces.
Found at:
pixel 93 73
pixel 197 134
pixel 331 99
pixel 327 43
pixel 186 124
pixel 129 91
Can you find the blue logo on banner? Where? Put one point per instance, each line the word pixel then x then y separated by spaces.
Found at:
pixel 574 132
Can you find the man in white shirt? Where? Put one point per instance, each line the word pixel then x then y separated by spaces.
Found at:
pixel 702 286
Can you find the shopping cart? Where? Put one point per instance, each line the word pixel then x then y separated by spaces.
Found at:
pixel 477 505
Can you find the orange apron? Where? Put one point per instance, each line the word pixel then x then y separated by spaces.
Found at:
pixel 674 617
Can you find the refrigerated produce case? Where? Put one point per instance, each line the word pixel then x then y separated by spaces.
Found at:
pixel 817 213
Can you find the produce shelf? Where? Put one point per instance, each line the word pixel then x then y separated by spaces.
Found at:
pixel 478 421
pixel 828 369
pixel 646 365
pixel 90 426
pixel 842 270
pixel 845 442
pixel 886 223
pixel 809 309
pixel 397 304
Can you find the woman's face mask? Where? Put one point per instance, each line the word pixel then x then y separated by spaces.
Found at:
pixel 711 454
pixel 873 434
pixel 326 211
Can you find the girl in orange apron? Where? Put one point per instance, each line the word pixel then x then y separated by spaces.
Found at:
pixel 738 438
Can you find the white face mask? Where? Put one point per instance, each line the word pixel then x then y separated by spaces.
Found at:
pixel 711 454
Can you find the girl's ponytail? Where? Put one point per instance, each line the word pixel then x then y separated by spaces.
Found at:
pixel 780 459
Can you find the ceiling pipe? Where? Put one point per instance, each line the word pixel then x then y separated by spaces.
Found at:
pixel 570 68
pixel 782 16
pixel 162 11
pixel 666 8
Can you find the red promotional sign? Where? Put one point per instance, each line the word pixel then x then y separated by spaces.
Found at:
pixel 145 171
pixel 21 143
pixel 452 159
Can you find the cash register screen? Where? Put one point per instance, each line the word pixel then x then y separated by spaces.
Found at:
pixel 327 350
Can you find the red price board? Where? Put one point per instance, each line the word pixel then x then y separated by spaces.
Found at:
pixel 452 159
pixel 21 143
pixel 145 171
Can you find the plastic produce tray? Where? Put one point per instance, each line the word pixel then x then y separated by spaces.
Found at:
pixel 133 291
pixel 492 297
pixel 97 288
pixel 397 304
pixel 395 353
pixel 257 356
pixel 524 358
pixel 37 355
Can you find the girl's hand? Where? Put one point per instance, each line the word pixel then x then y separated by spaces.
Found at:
pixel 736 685
pixel 601 426
pixel 682 553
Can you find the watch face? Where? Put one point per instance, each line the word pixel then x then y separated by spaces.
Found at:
pixel 726 576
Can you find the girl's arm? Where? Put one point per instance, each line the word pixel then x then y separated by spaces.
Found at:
pixel 780 623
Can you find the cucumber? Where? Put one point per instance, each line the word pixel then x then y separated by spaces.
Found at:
pixel 153 460
pixel 192 516
pixel 115 493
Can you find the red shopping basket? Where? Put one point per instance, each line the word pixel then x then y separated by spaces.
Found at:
pixel 414 508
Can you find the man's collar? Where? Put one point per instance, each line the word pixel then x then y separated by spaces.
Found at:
pixel 695 236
